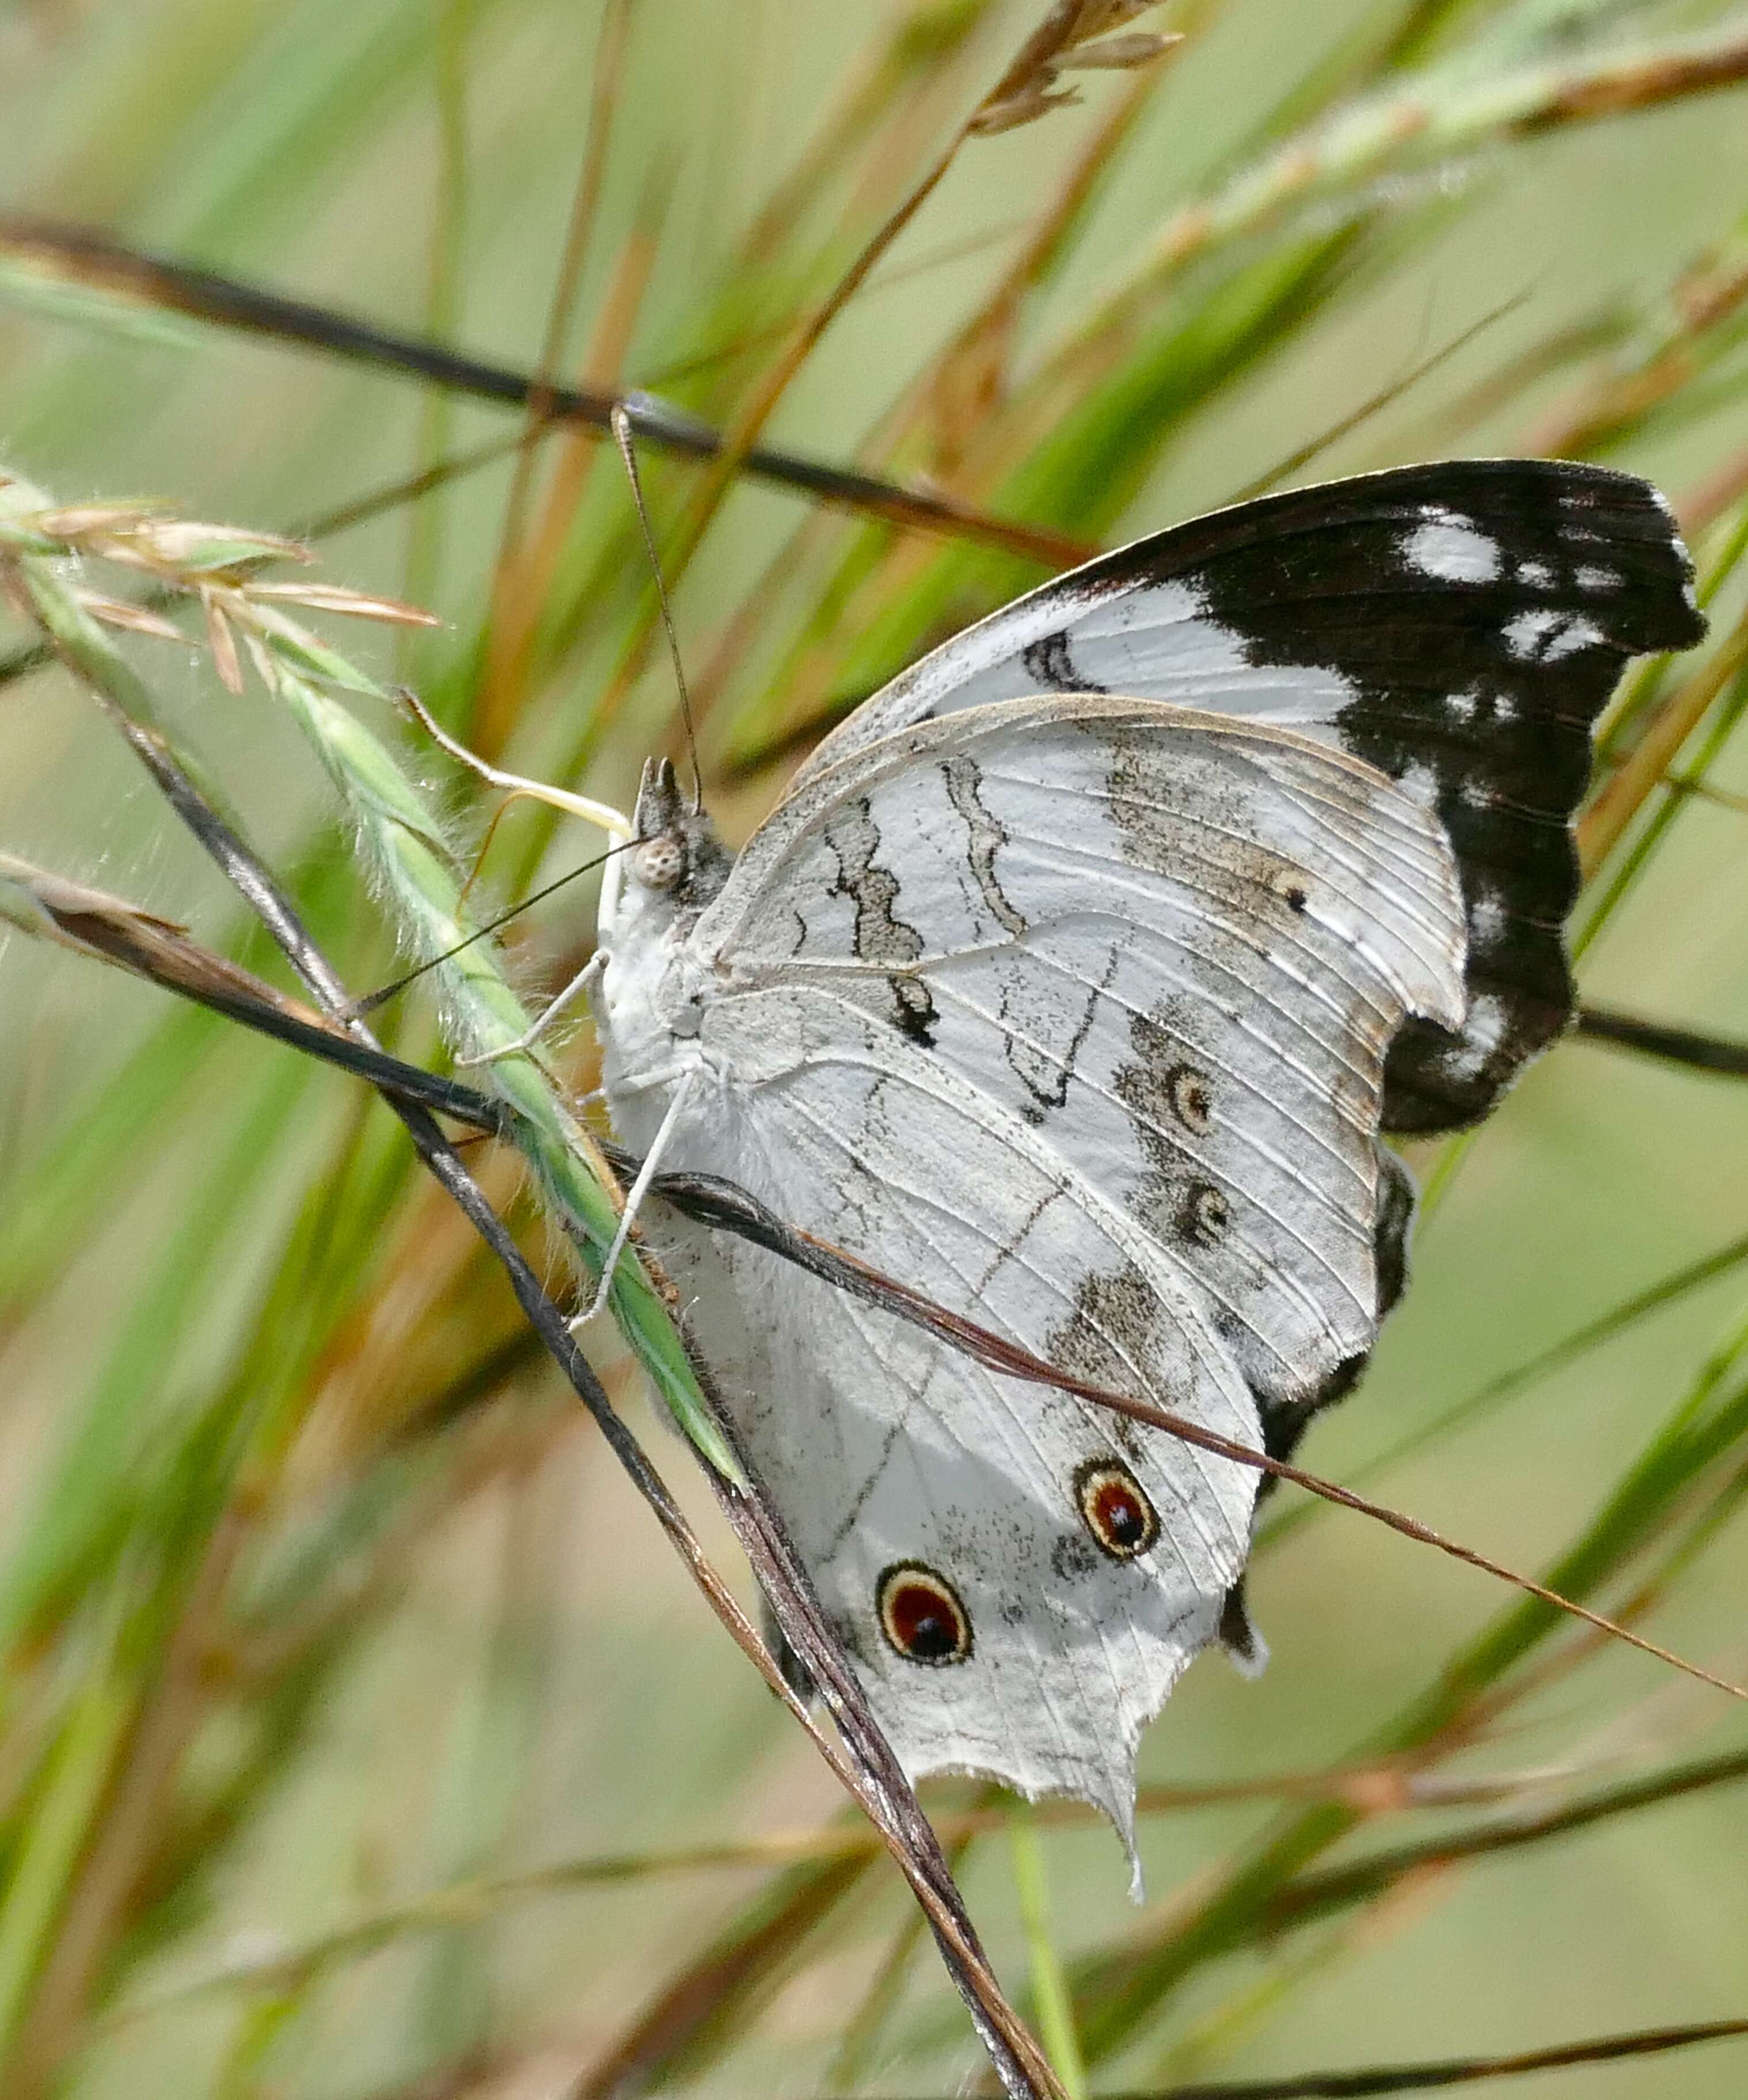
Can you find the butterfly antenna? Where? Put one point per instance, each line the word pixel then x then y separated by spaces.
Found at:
pixel 621 422
pixel 369 1003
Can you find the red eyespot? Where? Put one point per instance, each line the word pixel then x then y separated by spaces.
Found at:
pixel 1113 1509
pixel 921 1615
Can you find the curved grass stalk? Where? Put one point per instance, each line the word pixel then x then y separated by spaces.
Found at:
pixel 398 834
pixel 400 839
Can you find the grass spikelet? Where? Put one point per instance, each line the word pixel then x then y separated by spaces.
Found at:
pixel 401 842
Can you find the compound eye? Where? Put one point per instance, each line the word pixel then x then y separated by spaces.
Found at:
pixel 658 863
pixel 1115 1509
pixel 921 1615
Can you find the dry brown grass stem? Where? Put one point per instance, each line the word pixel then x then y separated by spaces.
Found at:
pixel 920 48
pixel 1024 86
pixel 1602 825
pixel 1703 299
pixel 529 568
pixel 970 376
pixel 1023 93
pixel 511 610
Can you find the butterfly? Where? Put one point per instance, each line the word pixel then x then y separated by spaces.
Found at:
pixel 1075 981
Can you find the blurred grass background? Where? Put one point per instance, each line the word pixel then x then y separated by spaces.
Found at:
pixel 326 1624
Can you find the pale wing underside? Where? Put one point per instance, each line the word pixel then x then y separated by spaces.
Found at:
pixel 1458 626
pixel 886 1449
pixel 1178 946
pixel 1071 1013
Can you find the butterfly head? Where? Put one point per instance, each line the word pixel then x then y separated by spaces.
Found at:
pixel 677 855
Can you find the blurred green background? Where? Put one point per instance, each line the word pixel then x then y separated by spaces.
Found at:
pixel 318 1597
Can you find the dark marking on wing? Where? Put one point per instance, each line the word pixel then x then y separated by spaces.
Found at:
pixel 1045 1076
pixel 1111 1326
pixel 1115 1509
pixel 1074 1555
pixel 1205 1216
pixel 1192 1098
pixel 964 781
pixel 922 1615
pixel 1159 1089
pixel 914 1009
pixel 880 935
pixel 1047 661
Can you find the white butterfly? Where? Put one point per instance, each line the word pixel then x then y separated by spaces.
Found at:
pixel 1071 983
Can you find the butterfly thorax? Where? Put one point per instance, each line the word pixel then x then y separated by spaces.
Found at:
pixel 653 988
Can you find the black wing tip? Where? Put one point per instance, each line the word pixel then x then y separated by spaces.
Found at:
pixel 1629 518
pixel 1669 613
pixel 1629 513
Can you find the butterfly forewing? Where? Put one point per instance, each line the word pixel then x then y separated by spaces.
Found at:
pixel 1176 946
pixel 1458 626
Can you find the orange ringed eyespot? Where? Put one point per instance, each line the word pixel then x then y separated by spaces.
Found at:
pixel 1114 1509
pixel 921 1615
pixel 1192 1098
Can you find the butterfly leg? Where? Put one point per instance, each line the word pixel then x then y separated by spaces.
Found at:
pixel 664 1075
pixel 639 1189
pixel 543 1020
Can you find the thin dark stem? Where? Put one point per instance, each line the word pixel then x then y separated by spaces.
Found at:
pixel 1311 1896
pixel 1651 1039
pixel 87 256
pixel 1452 2071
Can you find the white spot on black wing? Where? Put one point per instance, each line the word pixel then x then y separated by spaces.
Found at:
pixel 1451 548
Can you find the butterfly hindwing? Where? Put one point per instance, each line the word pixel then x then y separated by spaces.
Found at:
pixel 1458 626
pixel 908 1472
